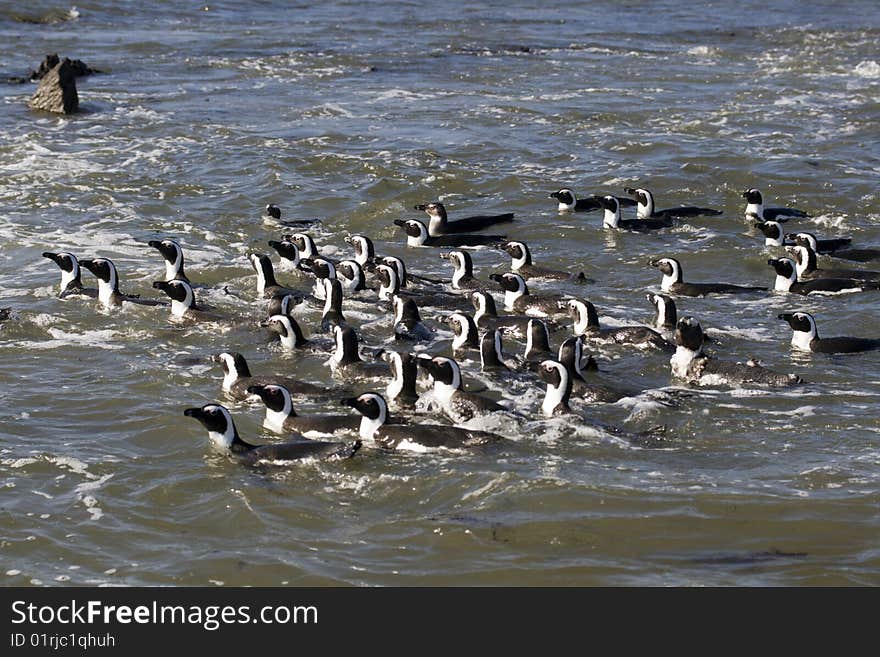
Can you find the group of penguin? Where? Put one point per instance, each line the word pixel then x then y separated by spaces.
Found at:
pixel 371 280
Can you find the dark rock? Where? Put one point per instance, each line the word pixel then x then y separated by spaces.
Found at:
pixel 51 61
pixel 57 90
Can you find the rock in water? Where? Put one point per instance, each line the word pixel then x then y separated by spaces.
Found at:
pixel 80 68
pixel 57 90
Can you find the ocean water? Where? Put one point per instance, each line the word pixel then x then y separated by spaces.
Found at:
pixel 351 113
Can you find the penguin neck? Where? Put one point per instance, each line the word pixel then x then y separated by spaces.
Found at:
pixel 806 262
pixel 556 397
pixel 461 339
pixel 458 275
pixel 783 284
pixel 755 208
pixel 107 291
pixel 274 420
pixel 174 270
pixel 802 340
pixel 265 278
pixel 645 210
pixel 71 279
pixel 179 308
pixel 611 218
pixel 369 426
pixel 511 297
pixel 584 322
pixel 522 261
pixel 437 224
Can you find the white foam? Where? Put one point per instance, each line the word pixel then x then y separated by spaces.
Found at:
pixel 867 69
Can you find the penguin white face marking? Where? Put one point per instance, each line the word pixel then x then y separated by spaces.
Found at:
pixel 418 239
pixel 480 305
pixel 581 322
pixel 611 218
pixel 674 276
pixel 458 261
pixel 645 210
pixel 328 295
pixel 305 244
pixel 810 239
pixel 281 325
pixel 349 282
pixel 660 304
pixel 801 339
pixel 516 263
pixel 230 371
pixel 784 283
pixel 224 439
pixel 463 332
pixel 339 352
pixel 396 386
pixel 274 420
pixel 361 249
pixel 567 200
pixel 398 308
pixel 375 413
pixel 386 291
pixel 510 297
pixel 258 266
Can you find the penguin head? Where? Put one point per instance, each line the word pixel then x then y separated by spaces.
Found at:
pixel 321 267
pixel 552 372
pixel 287 250
pixel 370 404
pixel 642 196
pixel 364 251
pixel 103 269
pixel 282 304
pixel 352 272
pixel 304 243
pixel 397 265
pixel 442 370
pixel 805 239
pixel 67 262
pixel 484 303
pixel 689 334
pixel 276 398
pixel 464 328
pixel 565 196
pixel 434 209
pixel 753 196
pixel 413 228
pixel 771 229
pixel 784 267
pixel 179 291
pixel 510 282
pixel 519 254
pixel 233 363
pixel 261 264
pixel 801 322
pixel 667 315
pixel 169 249
pixel 273 211
pixel 281 324
pixel 218 421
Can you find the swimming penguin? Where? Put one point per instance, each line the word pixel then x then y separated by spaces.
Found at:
pixel 272 214
pixel 351 276
pixel 290 256
pixel 223 434
pixel 805 337
pixel 521 263
pixel 828 246
pixel 465 334
pixel 691 364
pixel 459 405
pixel 646 208
pixel 518 299
pixel 463 270
pixel 408 323
pixel 183 301
pixel 807 264
pixel 390 286
pixel 537 342
pixel 755 204
pixel 417 236
pixel 5 313
pixel 491 353
pixel 305 244
pixel 289 330
pixel 787 281
pixel 486 315
pixel 108 285
pixel 322 269
pixel 267 286
pixel 282 418
pixel 364 250
pixel 237 378
pixel 346 359
pixel 667 314
pixel 568 202
pixel 440 225
pixel 672 282
pixel 772 231
pixel 404 373
pixel 332 316
pixel 586 323
pixel 71 276
pixel 571 355
pixel 172 254
pixel 611 218
pixel 375 426
pixel 858 255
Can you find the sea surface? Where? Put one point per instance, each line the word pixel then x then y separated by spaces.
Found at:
pixel 351 113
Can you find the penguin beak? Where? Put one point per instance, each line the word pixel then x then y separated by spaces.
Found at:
pixel 348 401
pixel 160 285
pixel 654 263
pixel 154 243
pixel 420 207
pixel 194 413
pixel 785 316
pixel 496 277
pixel 554 195
pixel 445 256
pixel 400 222
pixel 630 190
pixel 745 194
pixel 256 390
pixel 52 256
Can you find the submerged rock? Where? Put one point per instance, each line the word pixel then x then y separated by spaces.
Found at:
pixel 78 67
pixel 57 90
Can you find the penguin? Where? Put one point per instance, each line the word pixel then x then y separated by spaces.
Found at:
pixel 518 299
pixel 787 281
pixel 400 267
pixel 858 255
pixel 282 304
pixel 390 286
pixel 828 246
pixel 346 359
pixel 322 269
pixel 772 231
pixel 537 342
pixel 459 406
pixel 521 263
pixel 586 323
pixel 237 377
pixel 289 330
pixel 611 218
pixel 463 270
pixel 440 225
pixel 364 250
pixel 806 263
pixel 267 286
pixel 404 373
pixel 375 426
pixel 71 276
pixel 172 254
pixel 223 434
pixel 5 313
pixel 486 315
pixel 465 333
pixel 805 337
pixel 305 244
pixel 755 204
pixel 672 282
pixel 571 355
pixel 417 236
pixel 290 256
pixel 646 209
pixel 667 314
pixel 568 202
pixel 108 285
pixel 491 354
pixel 351 276
pixel 282 418
pixel 408 324
pixel 691 364
pixel 183 301
pixel 272 215
pixel 332 316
